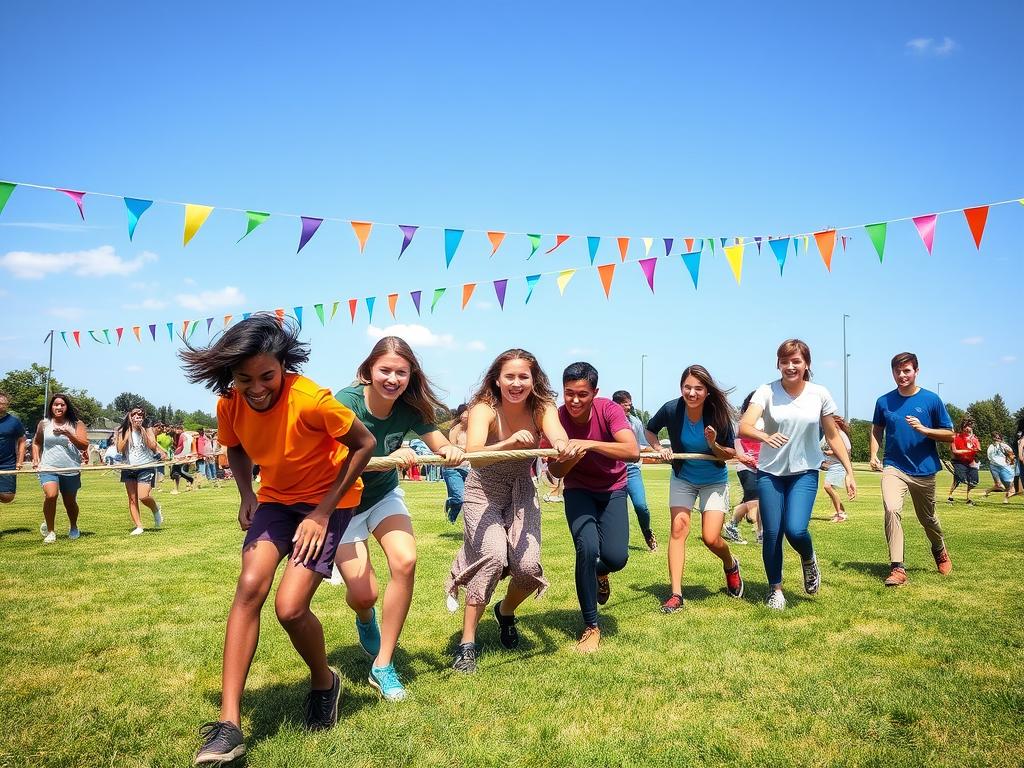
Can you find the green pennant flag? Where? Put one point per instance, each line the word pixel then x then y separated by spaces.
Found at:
pixel 5 193
pixel 534 244
pixel 712 244
pixel 877 234
pixel 93 335
pixel 106 334
pixel 255 219
pixel 319 312
pixel 192 330
pixel 334 309
pixel 438 293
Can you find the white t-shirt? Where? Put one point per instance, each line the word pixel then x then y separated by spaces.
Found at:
pixel 832 461
pixel 797 418
pixel 996 454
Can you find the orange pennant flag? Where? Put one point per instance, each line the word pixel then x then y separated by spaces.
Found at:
pixel 184 328
pixel 280 315
pixel 559 239
pixel 689 244
pixel 362 230
pixel 352 304
pixel 607 272
pixel 826 242
pixel 495 238
pixel 623 246
pixel 976 218
pixel 135 330
pixel 392 302
pixel 734 253
pixel 467 291
pixel 227 319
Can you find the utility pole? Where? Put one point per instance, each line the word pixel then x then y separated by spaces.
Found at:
pixel 939 393
pixel 846 375
pixel 46 386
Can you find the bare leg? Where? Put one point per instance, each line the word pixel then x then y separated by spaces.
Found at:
pixel 470 619
pixel 144 497
pixel 50 504
pixel 353 560
pixel 396 539
pixel 677 547
pixel 294 595
pixel 711 533
pixel 131 487
pixel 71 507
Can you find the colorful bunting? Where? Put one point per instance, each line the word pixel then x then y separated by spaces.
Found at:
pixel 106 334
pixel 648 242
pixel 136 329
pixel 500 287
pixel 78 341
pixel 310 224
pixel 79 198
pixel 496 239
pixel 926 229
pixel 209 325
pixel 780 248
pixel 668 246
pixel 184 327
pixel 246 315
pixel 416 300
pixel 195 325
pixel 534 244
pixel 607 273
pixel 298 316
pixel 758 241
pixel 563 280
pixel 362 230
pixel 408 231
pixel 152 331
pixel 724 241
pixel 319 309
pixel 6 188
pixel 93 335
pixel 692 262
pixel 352 304
pixel 688 242
pixel 976 218
pixel 877 234
pixel 711 242
pixel 392 303
pixel 826 242
pixel 623 246
pixel 452 238
pixel 467 292
pixel 334 310
pixel 64 338
pixel 648 266
pixel 370 301
pixel 734 253
pixel 227 319
pixel 531 283
pixel 195 217
pixel 170 331
pixel 135 208
pixel 253 220
pixel 559 239
pixel 592 244
pixel 438 293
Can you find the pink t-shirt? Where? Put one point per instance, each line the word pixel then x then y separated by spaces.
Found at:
pixel 596 472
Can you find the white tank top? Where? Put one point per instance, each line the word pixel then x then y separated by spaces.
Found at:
pixel 138 451
pixel 58 450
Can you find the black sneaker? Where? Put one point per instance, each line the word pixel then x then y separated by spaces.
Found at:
pixel 322 706
pixel 465 659
pixel 651 541
pixel 222 743
pixel 509 635
pixel 604 589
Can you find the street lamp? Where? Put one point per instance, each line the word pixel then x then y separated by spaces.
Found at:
pixel 642 408
pixel 846 375
pixel 939 393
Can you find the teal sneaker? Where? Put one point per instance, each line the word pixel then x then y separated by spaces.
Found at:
pixel 369 635
pixel 386 681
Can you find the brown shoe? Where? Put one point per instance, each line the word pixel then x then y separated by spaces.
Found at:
pixel 945 565
pixel 604 589
pixel 589 640
pixel 897 577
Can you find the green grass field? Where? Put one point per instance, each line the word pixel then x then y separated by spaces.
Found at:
pixel 110 650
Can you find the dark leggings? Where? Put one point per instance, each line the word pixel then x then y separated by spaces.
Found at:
pixel 178 470
pixel 599 524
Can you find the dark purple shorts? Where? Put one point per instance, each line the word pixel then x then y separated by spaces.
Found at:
pixel 277 523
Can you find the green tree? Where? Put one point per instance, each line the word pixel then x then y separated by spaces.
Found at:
pixel 860 440
pixel 27 390
pixel 128 400
pixel 990 416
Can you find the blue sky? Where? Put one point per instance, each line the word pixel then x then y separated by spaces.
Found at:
pixel 649 119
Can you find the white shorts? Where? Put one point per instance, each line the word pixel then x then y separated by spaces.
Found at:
pixel 714 497
pixel 363 523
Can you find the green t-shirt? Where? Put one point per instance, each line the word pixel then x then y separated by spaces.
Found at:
pixel 388 433
pixel 165 442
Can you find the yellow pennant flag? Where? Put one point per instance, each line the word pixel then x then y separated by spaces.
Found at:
pixel 195 217
pixel 648 242
pixel 734 253
pixel 563 280
pixel 807 243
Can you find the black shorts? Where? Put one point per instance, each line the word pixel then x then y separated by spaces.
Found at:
pixel 146 476
pixel 748 482
pixel 965 474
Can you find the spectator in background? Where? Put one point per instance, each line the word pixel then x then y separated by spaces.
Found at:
pixel 12 449
pixel 1000 463
pixel 110 454
pixel 634 478
pixel 57 447
pixel 747 452
pixel 183 453
pixel 166 443
pixel 835 474
pixel 455 477
pixel 206 463
pixel 1018 450
pixel 965 450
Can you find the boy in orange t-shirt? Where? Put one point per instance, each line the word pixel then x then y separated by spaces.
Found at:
pixel 311 450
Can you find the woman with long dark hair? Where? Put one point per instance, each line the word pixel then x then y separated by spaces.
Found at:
pixel 57 449
pixel 137 443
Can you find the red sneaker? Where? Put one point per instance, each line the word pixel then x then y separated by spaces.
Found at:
pixel 673 604
pixel 897 577
pixel 733 580
pixel 945 565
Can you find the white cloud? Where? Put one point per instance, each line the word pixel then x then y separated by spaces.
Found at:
pixel 228 296
pixel 926 46
pixel 51 226
pixel 98 262
pixel 133 368
pixel 1008 359
pixel 67 313
pixel 189 281
pixel 416 335
pixel 476 346
pixel 973 340
pixel 146 304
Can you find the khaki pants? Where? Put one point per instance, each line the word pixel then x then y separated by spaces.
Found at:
pixel 895 487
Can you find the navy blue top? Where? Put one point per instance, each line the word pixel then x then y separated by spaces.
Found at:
pixel 11 429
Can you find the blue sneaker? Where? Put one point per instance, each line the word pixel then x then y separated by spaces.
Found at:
pixel 369 635
pixel 386 681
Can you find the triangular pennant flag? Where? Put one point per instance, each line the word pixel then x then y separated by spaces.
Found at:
pixel 310 224
pixel 976 218
pixel 926 229
pixel 758 241
pixel 692 262
pixel 563 279
pixel 6 188
pixel 195 217
pixel 392 303
pixel 119 332
pixel 298 316
pixel 135 208
pixel 607 272
pixel 592 243
pixel 362 230
pixel 724 240
pixel 136 329
pixel 352 304
pixel 64 338
pixel 334 309
pixel 842 239
pixel 648 242
pixel 195 325
pixel 648 265
pixel 826 242
pixel 78 197
pixel 209 325
pixel 495 238
pixel 416 300
pixel 170 331
pixel 184 327
pixel 623 246
pixel 253 220
pixel 319 309
pixel 559 239
pixel 246 315
pixel 796 246
pixel 408 231
pixel 668 246
pixel 280 315
pixel 780 248
pixel 734 253
pixel 688 242
pixel 438 293
pixel 738 240
pixel 370 301
pixel 452 238
pixel 152 331
pixel 106 334
pixel 711 242
pixel 93 335
pixel 77 335
pixel 531 283
pixel 500 287
pixel 534 244
pixel 467 292
pixel 48 337
pixel 227 319
pixel 807 243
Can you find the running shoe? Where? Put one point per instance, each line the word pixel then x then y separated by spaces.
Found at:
pixel 50 538
pixel 950 501
pixel 731 532
pixel 465 658
pixel 74 533
pixel 970 502
pixel 43 530
pixel 222 743
pixel 812 576
pixel 674 603
pixel 942 561
pixel 652 542
pixel 776 600
pixel 897 577
pixel 604 589
pixel 589 640
pixel 369 634
pixel 137 531
pixel 322 706
pixel 386 681
pixel 733 580
pixel 508 634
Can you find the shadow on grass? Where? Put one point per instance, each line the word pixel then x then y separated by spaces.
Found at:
pixel 453 534
pixel 12 531
pixel 876 569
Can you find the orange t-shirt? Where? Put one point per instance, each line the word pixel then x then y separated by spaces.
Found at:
pixel 293 442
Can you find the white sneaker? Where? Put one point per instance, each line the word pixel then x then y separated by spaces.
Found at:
pixel 137 531
pixel 452 604
pixel 776 600
pixel 335 580
pixel 74 533
pixel 43 530
pixel 51 537
pixel 158 519
pixel 174 492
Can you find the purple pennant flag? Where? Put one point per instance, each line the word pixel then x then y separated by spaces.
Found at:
pixel 668 246
pixel 408 230
pixel 152 331
pixel 209 322
pixel 648 265
pixel 499 291
pixel 758 241
pixel 310 224
pixel 416 299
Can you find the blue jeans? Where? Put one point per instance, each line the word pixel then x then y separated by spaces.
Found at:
pixel 638 495
pixel 786 504
pixel 455 479
pixel 210 467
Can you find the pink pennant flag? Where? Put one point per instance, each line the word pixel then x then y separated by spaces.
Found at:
pixel 78 198
pixel 843 239
pixel 926 229
pixel 648 265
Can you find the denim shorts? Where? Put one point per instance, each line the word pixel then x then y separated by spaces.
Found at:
pixel 146 476
pixel 67 483
pixel 8 483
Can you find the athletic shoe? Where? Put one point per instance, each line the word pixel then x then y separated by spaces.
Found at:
pixel 673 604
pixel 733 580
pixel 950 501
pixel 50 538
pixel 897 577
pixel 137 531
pixel 942 561
pixel 812 576
pixel 222 743
pixel 508 634
pixel 589 640
pixel 776 600
pixel 730 532
pixel 652 543
pixel 465 658
pixel 760 538
pixel 970 503
pixel 43 530
pixel 322 706
pixel 448 510
pixel 604 589
pixel 369 635
pixel 386 681
pixel 74 533
pixel 175 492
pixel 158 518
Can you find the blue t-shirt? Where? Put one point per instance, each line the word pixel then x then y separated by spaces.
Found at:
pixel 701 471
pixel 906 449
pixel 11 430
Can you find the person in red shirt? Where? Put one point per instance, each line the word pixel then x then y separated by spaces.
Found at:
pixel 311 450
pixel 965 450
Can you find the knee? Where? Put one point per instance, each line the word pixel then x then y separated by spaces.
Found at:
pixel 290 612
pixel 6 498
pixel 587 548
pixel 526 570
pixel 680 527
pixel 252 590
pixel 710 539
pixel 614 561
pixel 402 565
pixel 361 593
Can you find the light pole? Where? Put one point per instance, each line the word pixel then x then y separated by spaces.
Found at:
pixel 846 375
pixel 642 408
pixel 939 393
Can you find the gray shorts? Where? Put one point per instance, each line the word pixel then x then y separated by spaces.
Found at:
pixel 714 497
